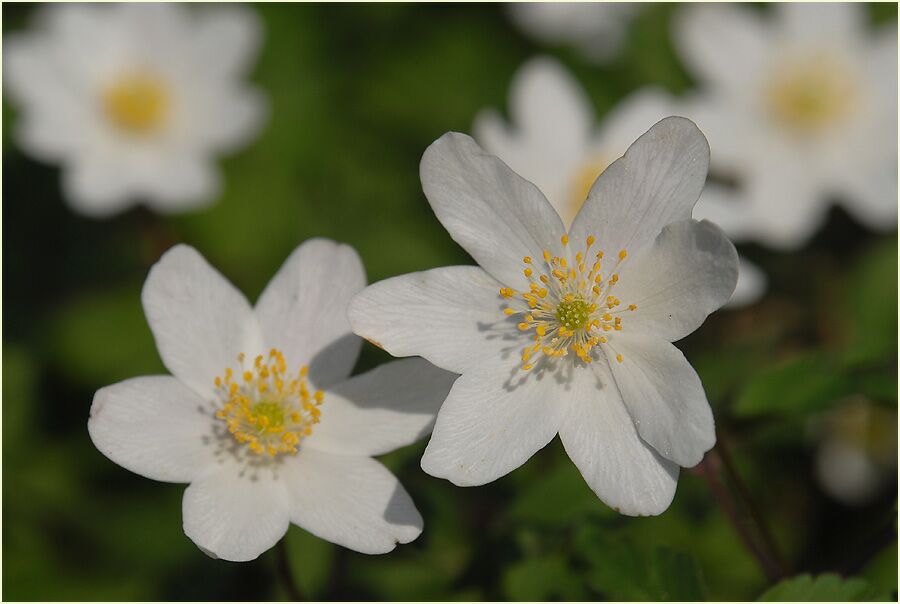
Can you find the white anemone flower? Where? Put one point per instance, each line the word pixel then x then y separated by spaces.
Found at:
pixel 556 143
pixel 561 330
pixel 597 29
pixel 801 107
pixel 259 415
pixel 135 100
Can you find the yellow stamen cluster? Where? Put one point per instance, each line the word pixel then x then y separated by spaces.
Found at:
pixel 136 103
pixel 808 94
pixel 267 408
pixel 569 306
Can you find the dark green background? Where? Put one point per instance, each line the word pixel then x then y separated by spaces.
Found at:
pixel 357 92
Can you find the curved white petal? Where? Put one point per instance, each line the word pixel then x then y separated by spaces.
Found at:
pixel 600 437
pixel 98 187
pixel 751 284
pixel 837 22
pixel 154 426
pixel 551 129
pixel 664 397
pixel 655 183
pixel 227 40
pixel 236 512
pixel 199 320
pixel 726 45
pixel 391 406
pixel 492 422
pixel 689 271
pixel 179 181
pixel 303 310
pixel 452 316
pixel 492 212
pixel 352 501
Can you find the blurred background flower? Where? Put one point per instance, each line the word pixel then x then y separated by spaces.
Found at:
pixel 134 100
pixel 356 93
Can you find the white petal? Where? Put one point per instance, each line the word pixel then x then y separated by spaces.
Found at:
pixel 200 321
pixel 726 45
pixel 227 40
pixel 154 426
pixel 492 212
pixel 235 512
pixel 726 208
pixel 689 271
pixel 655 183
pixel 664 397
pixel 391 406
pixel 751 284
pixel 452 316
pixel 600 437
pixel 230 120
pixel 352 501
pixel 97 187
pixel 303 310
pixel 492 422
pixel 788 205
pixel 834 22
pixel 179 181
pixel 552 124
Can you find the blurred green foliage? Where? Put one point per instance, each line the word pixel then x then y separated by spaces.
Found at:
pixel 356 94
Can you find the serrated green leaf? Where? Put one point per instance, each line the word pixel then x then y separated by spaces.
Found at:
pixel 823 588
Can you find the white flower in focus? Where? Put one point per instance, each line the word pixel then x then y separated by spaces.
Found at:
pixel 597 29
pixel 135 100
pixel 801 107
pixel 565 331
pixel 555 142
pixel 259 415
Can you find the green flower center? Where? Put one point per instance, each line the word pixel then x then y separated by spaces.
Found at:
pixel 573 315
pixel 272 412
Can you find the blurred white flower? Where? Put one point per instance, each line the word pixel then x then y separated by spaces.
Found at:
pixel 857 452
pixel 260 417
pixel 801 107
pixel 562 330
pixel 135 100
pixel 597 29
pixel 555 142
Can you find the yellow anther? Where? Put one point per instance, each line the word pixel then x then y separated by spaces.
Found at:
pixel 527 259
pixel 632 307
pixel 547 256
pixel 622 254
pixel 565 239
pixel 508 311
pixel 523 326
pixel 619 357
pixel 507 292
pixel 528 272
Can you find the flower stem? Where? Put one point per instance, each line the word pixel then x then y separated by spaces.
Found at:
pixel 284 572
pixel 718 462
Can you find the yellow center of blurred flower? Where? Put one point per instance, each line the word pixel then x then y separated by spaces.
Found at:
pixel 567 307
pixel 137 103
pixel 267 408
pixel 581 182
pixel 809 94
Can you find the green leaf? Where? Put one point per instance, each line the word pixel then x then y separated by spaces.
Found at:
pixel 556 498
pixel 799 386
pixel 871 319
pixel 102 337
pixel 311 560
pixel 823 588
pixel 542 578
pixel 881 571
pixel 676 576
